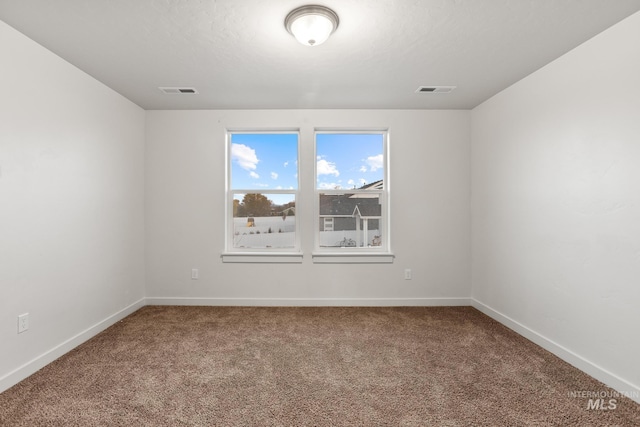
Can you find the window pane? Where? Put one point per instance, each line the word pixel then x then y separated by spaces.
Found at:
pixel 350 220
pixel 349 161
pixel 264 161
pixel 262 220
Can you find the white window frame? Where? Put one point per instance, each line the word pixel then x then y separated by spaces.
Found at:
pixel 365 254
pixel 258 255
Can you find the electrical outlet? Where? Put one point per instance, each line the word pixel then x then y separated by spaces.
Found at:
pixel 23 322
pixel 407 274
pixel 195 274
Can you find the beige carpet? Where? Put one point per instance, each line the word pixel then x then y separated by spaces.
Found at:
pixel 252 366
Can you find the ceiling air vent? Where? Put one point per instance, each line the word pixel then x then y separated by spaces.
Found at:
pixel 435 89
pixel 178 90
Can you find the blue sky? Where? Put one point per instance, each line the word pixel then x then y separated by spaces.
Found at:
pixel 266 162
pixel 346 161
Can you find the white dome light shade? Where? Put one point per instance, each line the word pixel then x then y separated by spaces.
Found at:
pixel 311 25
pixel 312 30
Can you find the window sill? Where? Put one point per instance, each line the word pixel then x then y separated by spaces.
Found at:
pixel 262 257
pixel 352 258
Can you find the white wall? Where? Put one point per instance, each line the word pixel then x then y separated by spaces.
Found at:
pixel 556 205
pixel 430 224
pixel 71 205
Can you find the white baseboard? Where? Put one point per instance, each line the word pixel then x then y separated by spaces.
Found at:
pixel 29 368
pixel 312 302
pixel 623 387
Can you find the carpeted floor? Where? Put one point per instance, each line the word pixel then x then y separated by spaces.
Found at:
pixel 329 366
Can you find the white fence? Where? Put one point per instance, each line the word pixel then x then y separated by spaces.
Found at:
pixel 266 232
pixel 283 234
pixel 346 238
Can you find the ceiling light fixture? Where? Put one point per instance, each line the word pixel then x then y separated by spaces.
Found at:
pixel 311 25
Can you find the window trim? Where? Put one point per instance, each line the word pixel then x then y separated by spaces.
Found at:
pixel 262 257
pixel 364 254
pixel 258 255
pixel 352 258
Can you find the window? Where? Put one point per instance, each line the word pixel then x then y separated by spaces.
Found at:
pixel 350 198
pixel 262 192
pixel 351 192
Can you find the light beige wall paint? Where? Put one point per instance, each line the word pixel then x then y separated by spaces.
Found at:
pixel 71 202
pixel 429 192
pixel 556 203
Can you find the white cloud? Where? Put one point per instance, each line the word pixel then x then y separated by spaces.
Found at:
pixel 375 162
pixel 328 186
pixel 245 156
pixel 274 175
pixel 351 182
pixel 327 168
pixel 254 175
pixel 286 164
pixel 363 168
pixel 362 182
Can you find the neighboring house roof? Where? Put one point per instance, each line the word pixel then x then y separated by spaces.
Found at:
pixel 350 205
pixel 368 211
pixel 376 185
pixel 353 204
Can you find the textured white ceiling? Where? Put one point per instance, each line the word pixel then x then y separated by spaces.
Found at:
pixel 238 54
